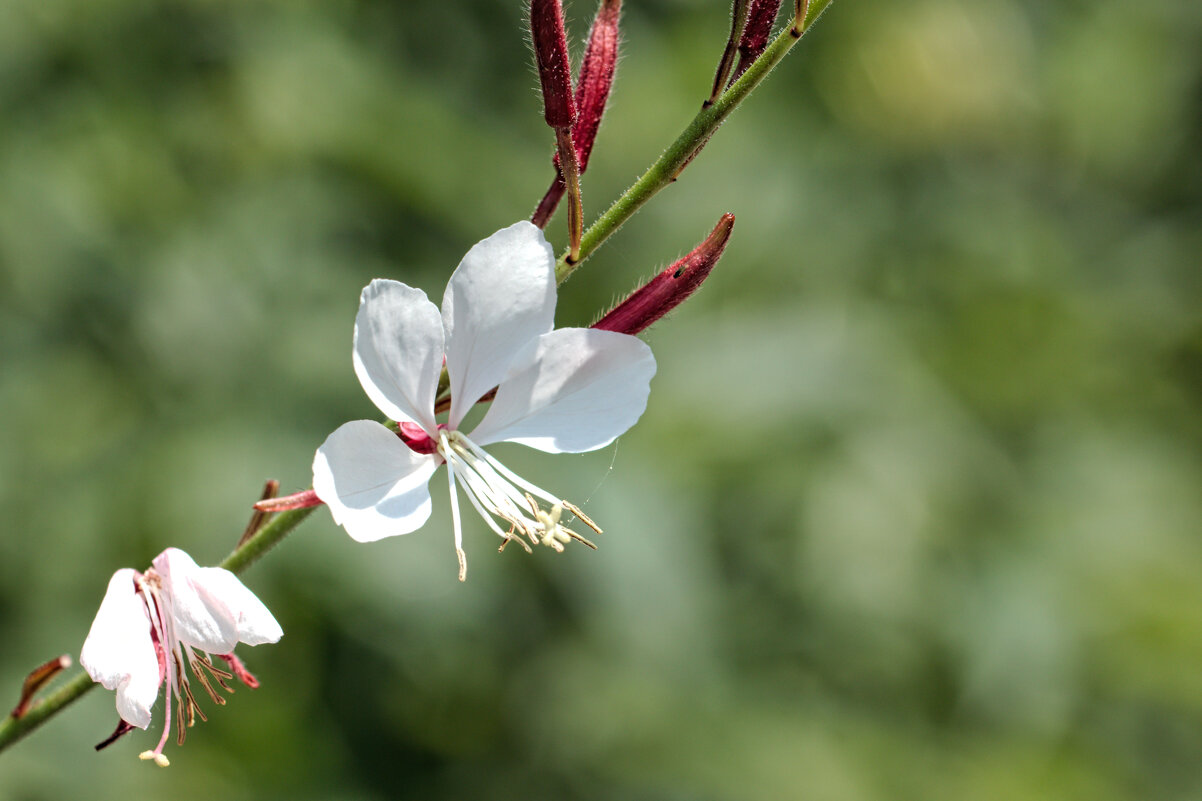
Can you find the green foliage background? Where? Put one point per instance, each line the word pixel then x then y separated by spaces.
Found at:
pixel 915 510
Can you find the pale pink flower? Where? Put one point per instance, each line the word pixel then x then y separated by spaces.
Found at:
pixel 150 628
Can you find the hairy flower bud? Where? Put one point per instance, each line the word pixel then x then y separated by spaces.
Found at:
pixel 596 77
pixel 670 288
pixel 592 94
pixel 760 17
pixel 299 500
pixel 551 54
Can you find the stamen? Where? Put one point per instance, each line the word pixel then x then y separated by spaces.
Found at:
pixel 472 492
pixel 581 516
pixel 509 474
pixel 148 584
pixel 196 662
pixel 442 436
pixel 580 539
pixel 499 494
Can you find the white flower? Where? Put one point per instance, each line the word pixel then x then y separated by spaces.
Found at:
pixel 562 391
pixel 150 626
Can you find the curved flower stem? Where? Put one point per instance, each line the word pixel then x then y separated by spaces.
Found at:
pixel 267 537
pixel 669 165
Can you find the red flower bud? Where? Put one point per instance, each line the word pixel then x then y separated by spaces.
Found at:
pixel 671 287
pixel 551 54
pixel 592 94
pixel 760 17
pixel 596 77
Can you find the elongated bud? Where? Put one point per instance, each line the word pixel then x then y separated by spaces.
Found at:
pixel 299 500
pixel 596 77
pixel 760 17
pixel 38 678
pixel 738 22
pixel 551 54
pixel 257 518
pixel 671 287
pixel 559 105
pixel 593 85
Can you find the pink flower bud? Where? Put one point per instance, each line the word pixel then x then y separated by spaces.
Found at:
pixel 299 500
pixel 671 287
pixel 760 17
pixel 596 77
pixel 551 54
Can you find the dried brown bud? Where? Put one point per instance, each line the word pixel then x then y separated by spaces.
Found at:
pixel 801 9
pixel 760 17
pixel 551 54
pixel 738 22
pixel 671 287
pixel 38 678
pixel 258 517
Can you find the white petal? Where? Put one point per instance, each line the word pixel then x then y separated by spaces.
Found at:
pixel 222 589
pixel 398 351
pixel 572 390
pixel 119 652
pixel 374 484
pixel 201 620
pixel 500 297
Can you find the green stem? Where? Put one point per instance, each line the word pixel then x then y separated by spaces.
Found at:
pixel 669 165
pixel 266 538
pixel 13 729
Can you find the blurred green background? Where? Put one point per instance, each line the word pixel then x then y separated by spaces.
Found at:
pixel 915 511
